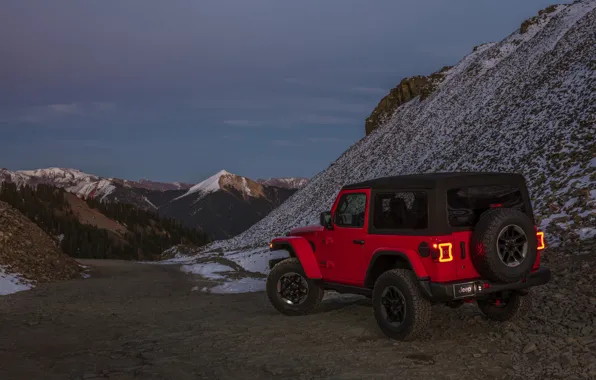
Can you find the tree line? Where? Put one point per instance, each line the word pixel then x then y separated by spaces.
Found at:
pixel 147 234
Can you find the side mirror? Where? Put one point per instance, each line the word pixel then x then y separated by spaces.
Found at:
pixel 325 220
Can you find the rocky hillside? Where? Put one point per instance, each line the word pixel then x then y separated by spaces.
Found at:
pixel 28 255
pixel 526 104
pixel 286 183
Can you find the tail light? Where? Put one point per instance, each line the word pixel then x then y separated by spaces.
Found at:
pixel 540 239
pixel 443 252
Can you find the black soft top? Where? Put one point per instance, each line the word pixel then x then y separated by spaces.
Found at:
pixel 439 180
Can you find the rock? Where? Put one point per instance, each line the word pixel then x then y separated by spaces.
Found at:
pixel 28 251
pixel 510 336
pixel 406 90
pixel 530 347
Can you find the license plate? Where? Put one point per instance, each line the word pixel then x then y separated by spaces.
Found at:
pixel 467 289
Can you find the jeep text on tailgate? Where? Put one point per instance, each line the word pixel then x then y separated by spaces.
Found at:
pixel 412 241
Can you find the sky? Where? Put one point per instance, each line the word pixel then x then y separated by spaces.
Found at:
pixel 177 90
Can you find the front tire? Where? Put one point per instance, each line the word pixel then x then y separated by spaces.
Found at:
pixel 400 309
pixel 290 291
pixel 510 308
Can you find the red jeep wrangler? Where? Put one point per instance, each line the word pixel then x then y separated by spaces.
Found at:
pixel 412 241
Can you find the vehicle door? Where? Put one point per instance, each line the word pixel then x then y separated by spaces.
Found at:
pixel 345 250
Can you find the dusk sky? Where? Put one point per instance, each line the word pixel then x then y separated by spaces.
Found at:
pixel 178 90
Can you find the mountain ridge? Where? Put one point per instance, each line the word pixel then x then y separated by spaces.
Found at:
pixel 222 205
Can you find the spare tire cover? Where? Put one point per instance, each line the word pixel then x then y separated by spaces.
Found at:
pixel 504 245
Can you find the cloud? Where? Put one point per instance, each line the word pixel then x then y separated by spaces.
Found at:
pixel 70 108
pixel 327 119
pixel 369 90
pixel 50 112
pixel 328 140
pixel 234 137
pixel 242 123
pixel 284 103
pixel 285 143
pixel 298 81
pixel 103 106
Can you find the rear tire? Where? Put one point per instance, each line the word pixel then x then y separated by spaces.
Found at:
pixel 504 245
pixel 290 291
pixel 512 308
pixel 400 309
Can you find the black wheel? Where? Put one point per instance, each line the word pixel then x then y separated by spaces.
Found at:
pixel 290 291
pixel 399 307
pixel 506 308
pixel 504 245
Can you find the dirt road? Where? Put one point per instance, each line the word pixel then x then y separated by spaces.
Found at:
pixel 143 321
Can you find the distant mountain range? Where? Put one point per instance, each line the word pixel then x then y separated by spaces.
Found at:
pixel 222 205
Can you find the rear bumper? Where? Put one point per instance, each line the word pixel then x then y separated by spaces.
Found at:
pixel 480 288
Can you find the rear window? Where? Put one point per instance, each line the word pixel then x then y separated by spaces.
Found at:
pixel 466 204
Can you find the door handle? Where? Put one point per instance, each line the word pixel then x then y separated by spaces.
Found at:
pixel 358 241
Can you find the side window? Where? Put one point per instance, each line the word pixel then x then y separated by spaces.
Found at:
pixel 401 210
pixel 466 204
pixel 350 210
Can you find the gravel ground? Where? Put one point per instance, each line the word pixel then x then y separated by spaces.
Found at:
pixel 143 321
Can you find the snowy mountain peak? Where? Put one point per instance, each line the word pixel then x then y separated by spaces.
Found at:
pixel 209 185
pixel 224 180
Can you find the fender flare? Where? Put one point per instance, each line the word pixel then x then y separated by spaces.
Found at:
pixel 300 248
pixel 408 255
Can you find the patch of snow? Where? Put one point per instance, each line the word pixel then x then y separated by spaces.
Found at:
pixel 245 187
pixel 208 270
pixel 95 189
pixel 150 203
pixel 256 260
pixel 342 298
pixel 242 285
pixel 587 233
pixel 12 283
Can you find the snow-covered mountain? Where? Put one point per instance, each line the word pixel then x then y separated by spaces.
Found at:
pixel 83 184
pixel 526 104
pixel 72 180
pixel 288 183
pixel 223 205
pixel 225 181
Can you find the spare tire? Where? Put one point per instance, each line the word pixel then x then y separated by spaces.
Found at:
pixel 504 245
